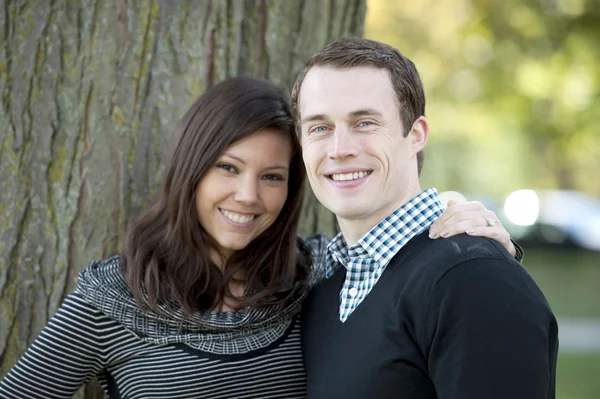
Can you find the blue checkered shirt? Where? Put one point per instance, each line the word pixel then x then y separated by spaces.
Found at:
pixel 366 261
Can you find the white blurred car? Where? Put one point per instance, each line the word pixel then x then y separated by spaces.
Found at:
pixel 554 217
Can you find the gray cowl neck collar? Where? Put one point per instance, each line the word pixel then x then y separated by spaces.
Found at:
pixel 227 333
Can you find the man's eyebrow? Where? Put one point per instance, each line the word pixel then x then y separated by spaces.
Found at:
pixel 365 112
pixel 312 118
pixel 354 114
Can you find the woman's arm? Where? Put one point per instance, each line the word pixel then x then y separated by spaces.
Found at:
pixel 66 354
pixel 474 219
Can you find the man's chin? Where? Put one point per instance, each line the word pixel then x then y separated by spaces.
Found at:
pixel 349 211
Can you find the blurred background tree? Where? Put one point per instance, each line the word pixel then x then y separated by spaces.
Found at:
pixel 512 88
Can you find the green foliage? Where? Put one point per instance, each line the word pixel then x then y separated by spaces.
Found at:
pixel 513 89
pixel 577 376
pixel 569 279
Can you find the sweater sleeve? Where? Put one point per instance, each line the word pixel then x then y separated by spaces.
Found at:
pixel 489 333
pixel 317 246
pixel 66 354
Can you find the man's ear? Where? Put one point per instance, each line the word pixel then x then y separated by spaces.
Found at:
pixel 418 135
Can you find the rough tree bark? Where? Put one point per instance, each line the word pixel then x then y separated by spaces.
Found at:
pixel 90 90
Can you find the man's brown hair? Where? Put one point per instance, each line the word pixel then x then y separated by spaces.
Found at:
pixel 352 52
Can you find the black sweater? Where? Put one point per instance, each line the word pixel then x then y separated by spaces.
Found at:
pixel 451 319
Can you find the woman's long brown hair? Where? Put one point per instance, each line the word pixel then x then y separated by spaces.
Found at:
pixel 166 256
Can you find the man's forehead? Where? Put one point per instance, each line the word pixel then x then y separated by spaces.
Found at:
pixel 327 89
pixel 324 76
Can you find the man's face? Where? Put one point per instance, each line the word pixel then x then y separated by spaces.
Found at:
pixel 359 164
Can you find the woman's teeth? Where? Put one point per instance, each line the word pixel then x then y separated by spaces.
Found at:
pixel 236 217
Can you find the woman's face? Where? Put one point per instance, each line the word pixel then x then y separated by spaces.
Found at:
pixel 243 193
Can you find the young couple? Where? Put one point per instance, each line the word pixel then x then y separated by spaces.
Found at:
pixel 215 296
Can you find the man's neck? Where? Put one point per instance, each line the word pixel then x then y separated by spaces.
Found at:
pixel 354 229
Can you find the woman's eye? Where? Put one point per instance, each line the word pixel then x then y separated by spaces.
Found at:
pixel 273 177
pixel 226 166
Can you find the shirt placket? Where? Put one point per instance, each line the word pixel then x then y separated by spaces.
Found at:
pixel 357 270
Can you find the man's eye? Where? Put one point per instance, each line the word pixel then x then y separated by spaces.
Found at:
pixel 228 167
pixel 318 129
pixel 365 124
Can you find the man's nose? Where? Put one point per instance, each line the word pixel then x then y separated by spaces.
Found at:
pixel 343 145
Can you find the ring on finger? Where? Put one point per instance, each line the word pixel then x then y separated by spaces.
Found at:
pixel 490 222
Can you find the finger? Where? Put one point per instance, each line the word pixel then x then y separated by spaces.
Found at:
pixel 471 221
pixel 459 217
pixel 478 218
pixel 460 207
pixel 450 203
pixel 459 228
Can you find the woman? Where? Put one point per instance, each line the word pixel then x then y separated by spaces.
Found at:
pixel 203 299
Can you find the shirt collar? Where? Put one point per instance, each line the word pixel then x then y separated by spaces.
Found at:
pixel 384 240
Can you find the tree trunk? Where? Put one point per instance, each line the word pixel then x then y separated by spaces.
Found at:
pixel 90 93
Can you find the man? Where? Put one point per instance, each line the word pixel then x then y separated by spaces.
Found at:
pixel 401 315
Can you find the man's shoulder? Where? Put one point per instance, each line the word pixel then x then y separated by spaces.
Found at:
pixel 462 267
pixel 427 260
pixel 459 248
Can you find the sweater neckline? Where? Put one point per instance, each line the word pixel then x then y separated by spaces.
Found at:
pixel 223 333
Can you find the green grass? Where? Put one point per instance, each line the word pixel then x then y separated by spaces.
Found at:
pixel 578 376
pixel 570 279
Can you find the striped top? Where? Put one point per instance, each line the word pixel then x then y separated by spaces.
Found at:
pixel 82 341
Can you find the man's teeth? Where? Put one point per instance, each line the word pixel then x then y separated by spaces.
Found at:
pixel 236 217
pixel 349 176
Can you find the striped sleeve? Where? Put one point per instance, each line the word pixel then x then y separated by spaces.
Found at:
pixel 318 247
pixel 67 353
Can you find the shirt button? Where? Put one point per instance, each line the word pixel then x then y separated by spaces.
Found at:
pixel 353 292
